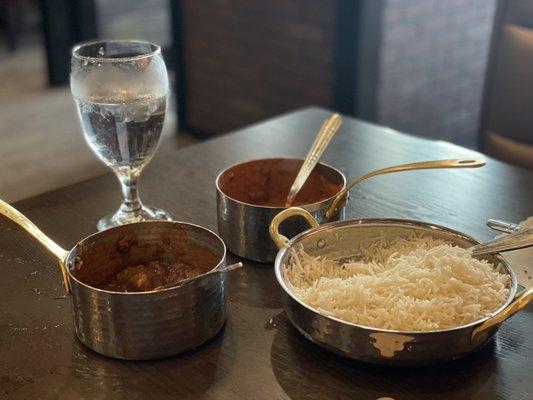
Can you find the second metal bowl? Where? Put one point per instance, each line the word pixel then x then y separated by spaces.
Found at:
pixel 244 226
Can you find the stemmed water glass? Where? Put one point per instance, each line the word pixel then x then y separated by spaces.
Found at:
pixel 121 89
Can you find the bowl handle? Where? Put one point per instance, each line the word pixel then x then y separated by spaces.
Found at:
pixel 520 301
pixel 60 254
pixel 338 201
pixel 278 238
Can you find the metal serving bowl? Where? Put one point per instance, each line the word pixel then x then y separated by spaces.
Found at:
pixel 383 346
pixel 141 325
pixel 244 226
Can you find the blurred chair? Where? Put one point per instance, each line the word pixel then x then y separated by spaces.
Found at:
pixel 506 126
pixel 242 61
pixel 10 20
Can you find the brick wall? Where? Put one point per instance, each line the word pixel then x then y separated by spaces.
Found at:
pixel 432 66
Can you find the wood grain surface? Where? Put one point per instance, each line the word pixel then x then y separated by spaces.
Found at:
pixel 258 355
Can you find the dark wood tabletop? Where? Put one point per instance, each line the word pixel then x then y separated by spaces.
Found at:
pixel 258 354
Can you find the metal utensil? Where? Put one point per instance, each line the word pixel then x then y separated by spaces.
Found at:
pixel 137 325
pixel 519 239
pixel 322 141
pixel 227 268
pixel 340 199
pixel 503 226
pixel 375 345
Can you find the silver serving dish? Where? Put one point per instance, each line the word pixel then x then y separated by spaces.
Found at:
pixel 382 346
pixel 244 226
pixel 142 325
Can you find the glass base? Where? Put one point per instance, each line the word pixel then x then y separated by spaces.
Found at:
pixel 144 214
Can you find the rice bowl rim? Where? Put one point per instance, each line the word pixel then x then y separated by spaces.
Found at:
pixel 279 267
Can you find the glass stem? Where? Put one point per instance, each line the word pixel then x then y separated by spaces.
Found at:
pixel 129 180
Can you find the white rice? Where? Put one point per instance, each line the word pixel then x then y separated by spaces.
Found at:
pixel 414 284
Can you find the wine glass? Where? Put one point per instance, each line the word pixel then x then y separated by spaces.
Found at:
pixel 121 89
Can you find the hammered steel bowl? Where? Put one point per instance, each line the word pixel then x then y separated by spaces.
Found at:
pixel 141 325
pixel 244 226
pixel 382 346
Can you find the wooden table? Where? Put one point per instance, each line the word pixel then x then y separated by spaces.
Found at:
pixel 258 355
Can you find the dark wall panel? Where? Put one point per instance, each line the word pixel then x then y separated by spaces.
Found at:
pixel 247 60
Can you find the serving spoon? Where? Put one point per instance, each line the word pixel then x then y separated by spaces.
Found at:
pixel 518 238
pixel 323 138
pixel 202 276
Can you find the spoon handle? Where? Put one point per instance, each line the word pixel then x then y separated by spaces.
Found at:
pixel 326 133
pixel 502 226
pixel 513 241
pixel 193 278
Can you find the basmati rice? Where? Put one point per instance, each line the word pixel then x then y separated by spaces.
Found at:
pixel 411 284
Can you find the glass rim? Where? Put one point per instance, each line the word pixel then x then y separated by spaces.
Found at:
pixel 156 50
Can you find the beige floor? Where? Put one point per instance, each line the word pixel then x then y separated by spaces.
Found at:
pixel 42 147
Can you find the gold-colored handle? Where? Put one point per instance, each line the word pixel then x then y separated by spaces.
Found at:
pixel 278 238
pixel 338 202
pixel 322 141
pixel 60 254
pixel 521 300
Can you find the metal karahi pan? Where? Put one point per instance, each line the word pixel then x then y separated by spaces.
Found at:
pixel 141 325
pixel 374 345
